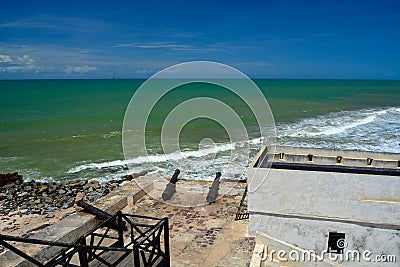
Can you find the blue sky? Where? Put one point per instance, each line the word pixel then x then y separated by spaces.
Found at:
pixel 263 39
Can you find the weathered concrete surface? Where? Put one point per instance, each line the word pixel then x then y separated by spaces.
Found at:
pixel 205 235
pixel 302 207
pixel 266 254
pixel 364 198
pixel 313 235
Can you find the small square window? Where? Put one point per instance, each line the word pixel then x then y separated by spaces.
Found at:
pixel 336 242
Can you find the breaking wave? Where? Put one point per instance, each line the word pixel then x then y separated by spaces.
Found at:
pixel 161 158
pixel 366 129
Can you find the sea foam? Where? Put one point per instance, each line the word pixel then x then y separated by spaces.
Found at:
pixel 334 123
pixel 366 129
pixel 157 158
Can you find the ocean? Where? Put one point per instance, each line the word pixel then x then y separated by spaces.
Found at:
pixel 72 129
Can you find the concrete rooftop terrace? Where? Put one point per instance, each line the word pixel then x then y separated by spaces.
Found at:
pixel 205 235
pixel 200 234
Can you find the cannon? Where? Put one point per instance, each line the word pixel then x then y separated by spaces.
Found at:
pixel 102 215
pixel 170 188
pixel 213 193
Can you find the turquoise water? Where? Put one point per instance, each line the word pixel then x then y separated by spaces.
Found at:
pixel 68 129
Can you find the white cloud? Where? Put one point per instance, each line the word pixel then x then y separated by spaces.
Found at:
pixel 154 45
pixel 26 60
pixel 79 69
pixel 172 46
pixel 142 71
pixel 254 64
pixel 166 45
pixel 5 59
pixel 123 45
pixel 18 68
pixel 18 64
pixel 73 24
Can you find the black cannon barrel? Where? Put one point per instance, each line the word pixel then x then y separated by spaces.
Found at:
pixel 213 193
pixel 102 215
pixel 174 177
pixel 170 189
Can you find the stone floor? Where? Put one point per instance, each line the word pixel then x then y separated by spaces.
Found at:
pixel 201 234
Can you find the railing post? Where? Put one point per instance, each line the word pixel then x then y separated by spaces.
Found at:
pixel 166 243
pixel 136 256
pixel 120 229
pixel 83 259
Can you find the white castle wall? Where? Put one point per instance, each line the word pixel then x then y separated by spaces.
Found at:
pixel 302 207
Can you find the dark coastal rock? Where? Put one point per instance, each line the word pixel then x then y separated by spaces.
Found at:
pixel 61 192
pixel 9 178
pixel 47 199
pixel 22 194
pixel 43 188
pixel 36 211
pixel 21 198
pixel 6 211
pixel 66 215
pixel 23 211
pixel 50 215
pixel 136 175
pixel 28 188
pixel 113 169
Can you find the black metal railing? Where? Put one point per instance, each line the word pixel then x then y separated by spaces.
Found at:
pixel 137 241
pixel 242 213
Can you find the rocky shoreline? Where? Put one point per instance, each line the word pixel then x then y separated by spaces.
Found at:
pixel 46 198
pixel 26 207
